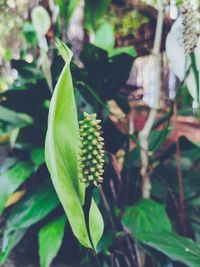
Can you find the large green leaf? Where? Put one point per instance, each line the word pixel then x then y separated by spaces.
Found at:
pixel 14 118
pixel 148 223
pixel 175 247
pixel 146 216
pixel 32 209
pixel 61 152
pixel 50 240
pixel 11 179
pixel 27 212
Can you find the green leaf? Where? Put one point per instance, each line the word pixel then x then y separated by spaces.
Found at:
pixel 10 240
pixel 14 118
pixel 149 224
pixel 105 37
pixel 129 50
pixel 94 12
pixel 12 179
pixel 61 153
pixel 30 33
pixel 67 8
pixel 32 209
pixel 50 240
pixel 64 51
pixel 37 156
pixel 174 246
pixel 27 212
pixel 146 216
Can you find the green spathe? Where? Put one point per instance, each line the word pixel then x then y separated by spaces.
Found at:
pixel 61 153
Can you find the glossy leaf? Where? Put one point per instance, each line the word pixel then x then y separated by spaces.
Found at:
pixel 11 179
pixel 61 152
pixel 146 216
pixel 50 240
pixel 174 246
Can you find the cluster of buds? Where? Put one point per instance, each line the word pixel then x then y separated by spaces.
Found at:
pixel 190 26
pixel 92 152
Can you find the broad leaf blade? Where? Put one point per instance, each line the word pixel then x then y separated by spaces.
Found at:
pixel 50 240
pixel 32 209
pixel 27 212
pixel 61 153
pixel 146 216
pixel 175 247
pixel 12 179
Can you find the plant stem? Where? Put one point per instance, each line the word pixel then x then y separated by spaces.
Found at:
pixel 86 208
pixel 144 134
pixel 180 178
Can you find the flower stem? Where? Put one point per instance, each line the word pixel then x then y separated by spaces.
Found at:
pixel 86 208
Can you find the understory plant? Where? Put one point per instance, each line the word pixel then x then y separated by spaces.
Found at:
pixel 72 184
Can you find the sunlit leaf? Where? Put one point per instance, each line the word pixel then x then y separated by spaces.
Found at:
pixel 105 37
pixel 12 179
pixel 15 197
pixel 129 50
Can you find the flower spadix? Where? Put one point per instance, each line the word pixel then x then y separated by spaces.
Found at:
pixel 91 160
pixel 191 26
